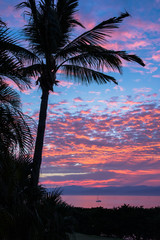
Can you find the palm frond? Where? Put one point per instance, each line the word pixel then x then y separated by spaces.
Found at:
pixel 31 5
pixel 44 32
pixel 9 96
pixel 98 34
pixel 11 68
pixel 32 70
pixel 12 57
pixel 15 127
pixel 54 197
pixel 16 135
pixel 86 75
pixel 9 43
pixel 23 5
pixel 66 10
pixel 2 23
pixel 21 81
pixel 96 57
pixel 49 25
pixel 129 57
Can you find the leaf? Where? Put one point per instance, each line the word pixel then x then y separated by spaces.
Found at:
pixel 86 75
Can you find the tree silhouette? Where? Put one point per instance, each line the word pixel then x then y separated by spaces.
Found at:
pixel 48 30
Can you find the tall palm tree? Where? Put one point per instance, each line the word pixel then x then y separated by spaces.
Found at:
pixel 48 31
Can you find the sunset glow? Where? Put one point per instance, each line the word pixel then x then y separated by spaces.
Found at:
pixel 104 135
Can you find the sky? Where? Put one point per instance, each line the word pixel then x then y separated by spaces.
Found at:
pixel 104 135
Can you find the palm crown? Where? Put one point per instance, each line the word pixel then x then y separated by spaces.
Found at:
pixel 48 31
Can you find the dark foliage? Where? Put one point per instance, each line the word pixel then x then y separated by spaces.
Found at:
pixel 15 127
pixel 25 212
pixel 136 222
pixel 13 57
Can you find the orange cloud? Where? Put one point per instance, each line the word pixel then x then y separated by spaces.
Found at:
pixel 136 173
pixel 85 112
pixel 88 183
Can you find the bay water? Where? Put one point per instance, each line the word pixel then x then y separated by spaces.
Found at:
pixel 111 201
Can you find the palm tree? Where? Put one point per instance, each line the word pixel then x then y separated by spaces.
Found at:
pixel 48 31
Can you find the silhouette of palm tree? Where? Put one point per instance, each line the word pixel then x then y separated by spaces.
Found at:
pixel 48 31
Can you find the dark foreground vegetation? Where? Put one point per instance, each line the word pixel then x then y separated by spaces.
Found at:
pixel 136 222
pixel 33 214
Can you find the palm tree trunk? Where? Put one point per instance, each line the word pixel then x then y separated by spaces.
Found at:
pixel 37 158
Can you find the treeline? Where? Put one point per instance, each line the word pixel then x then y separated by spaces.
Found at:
pixel 136 222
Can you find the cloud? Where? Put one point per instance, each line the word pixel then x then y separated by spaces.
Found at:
pixel 65 83
pixel 145 25
pixel 102 148
pixel 119 88
pixel 78 99
pixel 96 93
pixel 156 56
pixel 142 90
pixel 86 112
pixel 44 175
pixel 137 44
pixel 156 76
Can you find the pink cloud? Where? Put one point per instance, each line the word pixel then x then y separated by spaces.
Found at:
pixel 55 93
pixel 96 93
pixel 65 84
pixel 156 56
pixel 145 25
pixel 132 103
pixel 87 22
pixel 156 76
pixel 137 44
pixel 142 90
pixel 63 102
pixel 103 101
pixel 12 84
pixel 13 16
pixel 78 99
pixel 119 88
pixel 126 35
